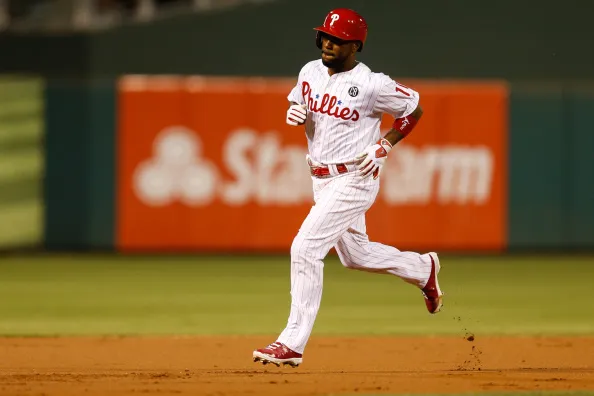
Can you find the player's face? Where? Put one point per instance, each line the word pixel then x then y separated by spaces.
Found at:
pixel 336 51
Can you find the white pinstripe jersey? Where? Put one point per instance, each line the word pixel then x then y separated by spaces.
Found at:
pixel 345 110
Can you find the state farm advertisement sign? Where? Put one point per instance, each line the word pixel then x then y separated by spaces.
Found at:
pixel 209 164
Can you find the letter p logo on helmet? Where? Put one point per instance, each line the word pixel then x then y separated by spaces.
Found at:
pixel 334 17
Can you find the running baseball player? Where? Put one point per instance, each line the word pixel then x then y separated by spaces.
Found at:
pixel 341 102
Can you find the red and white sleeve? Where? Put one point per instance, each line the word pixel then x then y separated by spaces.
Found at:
pixel 396 99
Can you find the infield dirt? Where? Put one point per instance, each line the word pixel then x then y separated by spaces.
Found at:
pixel 222 366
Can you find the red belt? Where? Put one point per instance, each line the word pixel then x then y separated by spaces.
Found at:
pixel 323 171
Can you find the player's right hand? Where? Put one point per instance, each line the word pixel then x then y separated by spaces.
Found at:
pixel 297 114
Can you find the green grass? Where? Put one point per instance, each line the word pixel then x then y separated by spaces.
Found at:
pixel 81 295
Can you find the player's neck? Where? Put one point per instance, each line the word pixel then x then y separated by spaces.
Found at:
pixel 348 65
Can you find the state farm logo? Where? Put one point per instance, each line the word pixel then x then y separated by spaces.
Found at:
pixel 257 168
pixel 448 174
pixel 176 172
pixel 254 167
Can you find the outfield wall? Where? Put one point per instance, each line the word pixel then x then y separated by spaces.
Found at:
pixel 21 161
pixel 503 177
pixel 535 179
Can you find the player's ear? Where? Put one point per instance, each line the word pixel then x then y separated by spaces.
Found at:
pixel 355 47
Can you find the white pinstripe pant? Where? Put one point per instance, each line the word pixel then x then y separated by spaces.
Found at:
pixel 338 220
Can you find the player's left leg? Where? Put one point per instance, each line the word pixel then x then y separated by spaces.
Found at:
pixel 338 202
pixel 357 252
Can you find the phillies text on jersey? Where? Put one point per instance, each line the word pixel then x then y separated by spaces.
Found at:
pixel 345 109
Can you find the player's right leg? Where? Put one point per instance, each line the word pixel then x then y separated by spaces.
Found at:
pixel 339 201
pixel 357 252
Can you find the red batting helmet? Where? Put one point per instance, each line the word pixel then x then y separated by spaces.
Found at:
pixel 345 24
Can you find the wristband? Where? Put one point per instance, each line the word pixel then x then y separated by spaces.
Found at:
pixel 404 125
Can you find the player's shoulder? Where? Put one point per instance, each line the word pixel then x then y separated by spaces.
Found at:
pixel 381 78
pixel 368 76
pixel 362 71
pixel 311 67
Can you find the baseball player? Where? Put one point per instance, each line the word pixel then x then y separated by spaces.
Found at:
pixel 341 102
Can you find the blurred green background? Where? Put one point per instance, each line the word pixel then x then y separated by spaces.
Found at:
pixel 108 294
pixel 21 161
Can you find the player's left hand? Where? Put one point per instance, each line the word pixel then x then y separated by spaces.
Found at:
pixel 373 158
